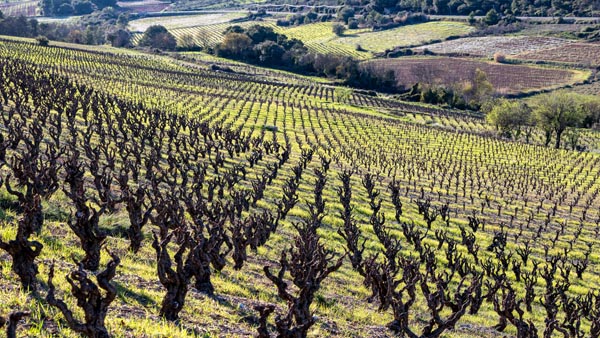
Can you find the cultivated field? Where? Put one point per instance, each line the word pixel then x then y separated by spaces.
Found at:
pixel 319 37
pixel 17 8
pixel 506 79
pixel 144 6
pixel 409 35
pixel 586 54
pixel 487 46
pixel 192 5
pixel 183 21
pixel 205 36
pixel 496 217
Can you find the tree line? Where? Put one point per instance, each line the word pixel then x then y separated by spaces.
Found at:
pixel 481 7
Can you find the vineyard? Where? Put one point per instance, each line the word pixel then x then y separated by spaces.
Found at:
pixel 487 46
pixel 183 21
pixel 204 35
pixel 318 37
pixel 17 8
pixel 410 35
pixel 144 5
pixel 586 54
pixel 506 79
pixel 144 196
pixel 191 5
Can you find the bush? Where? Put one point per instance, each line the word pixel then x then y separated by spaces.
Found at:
pixel 157 36
pixel 492 17
pixel 338 29
pixel 42 40
pixel 83 7
pixel 499 57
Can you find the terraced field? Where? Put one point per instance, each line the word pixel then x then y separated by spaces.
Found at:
pixel 507 218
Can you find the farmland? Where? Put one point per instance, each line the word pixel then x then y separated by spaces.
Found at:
pixel 586 54
pixel 190 5
pixel 168 191
pixel 143 5
pixel 487 46
pixel 537 197
pixel 16 8
pixel 411 35
pixel 506 79
pixel 183 21
pixel 205 36
pixel 318 37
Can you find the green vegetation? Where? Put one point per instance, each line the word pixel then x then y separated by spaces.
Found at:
pixel 194 186
pixel 158 37
pixel 320 37
pixel 183 21
pixel 411 35
pixel 552 113
pixel 357 131
pixel 518 8
pixel 510 118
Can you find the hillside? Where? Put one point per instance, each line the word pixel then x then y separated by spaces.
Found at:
pixel 145 122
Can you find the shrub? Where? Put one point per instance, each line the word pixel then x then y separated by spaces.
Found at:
pixel 499 57
pixel 157 36
pixel 338 29
pixel 42 40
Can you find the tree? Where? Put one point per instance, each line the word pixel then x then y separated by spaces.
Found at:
pixel 345 14
pixel 83 7
pixel 119 38
pixel 123 20
pixel 105 3
pixel 269 52
pixel 492 17
pixel 235 44
pixel 47 7
pixel 509 117
pixel 76 36
pixel 338 29
pixel 42 40
pixel 479 90
pixel 65 9
pixel 472 21
pixel 260 34
pixel 157 36
pixel 382 4
pixel 591 108
pixel 556 112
